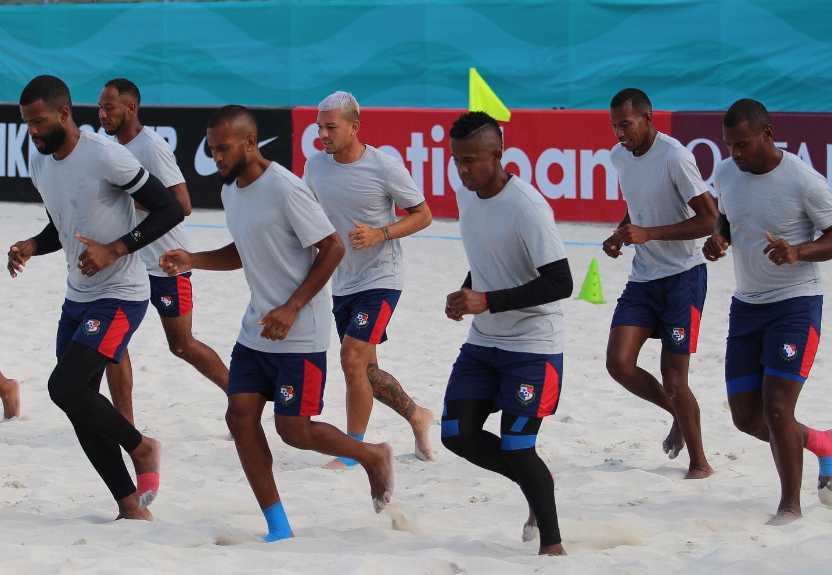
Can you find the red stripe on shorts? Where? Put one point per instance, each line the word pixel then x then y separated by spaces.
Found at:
pixel 695 317
pixel 115 335
pixel 551 391
pixel 313 380
pixel 381 322
pixel 809 352
pixel 185 292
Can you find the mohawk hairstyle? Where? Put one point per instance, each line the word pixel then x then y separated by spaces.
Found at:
pixel 51 89
pixel 747 110
pixel 125 86
pixel 471 123
pixel 637 98
pixel 229 114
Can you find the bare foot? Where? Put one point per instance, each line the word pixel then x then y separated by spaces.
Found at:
pixel 421 421
pixel 147 460
pixel 380 473
pixel 338 465
pixel 530 529
pixel 556 549
pixel 699 472
pixel 10 396
pixel 784 517
pixel 674 442
pixel 130 508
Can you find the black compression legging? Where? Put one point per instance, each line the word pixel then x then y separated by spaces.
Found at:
pixel 512 456
pixel 73 386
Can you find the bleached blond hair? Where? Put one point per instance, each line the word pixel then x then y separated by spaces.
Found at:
pixel 343 101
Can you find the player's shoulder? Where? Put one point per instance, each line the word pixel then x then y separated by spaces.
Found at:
pixel 725 170
pixel 617 153
pixel 104 150
pixel 382 159
pixel 94 139
pixel 318 159
pixel 674 150
pixel 527 197
pixel 152 139
pixel 285 179
pixel 803 171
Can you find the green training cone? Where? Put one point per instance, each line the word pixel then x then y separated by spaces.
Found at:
pixel 591 290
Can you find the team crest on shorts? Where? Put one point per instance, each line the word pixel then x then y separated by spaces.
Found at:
pixel 678 334
pixel 525 394
pixel 789 351
pixel 91 326
pixel 361 319
pixel 166 300
pixel 287 394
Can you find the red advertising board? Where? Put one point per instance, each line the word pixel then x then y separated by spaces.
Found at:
pixel 564 153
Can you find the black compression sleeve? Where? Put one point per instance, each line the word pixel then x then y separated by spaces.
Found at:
pixel 554 283
pixel 164 213
pixel 47 241
pixel 467 282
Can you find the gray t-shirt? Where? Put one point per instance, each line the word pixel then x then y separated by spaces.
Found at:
pixel 792 202
pixel 154 153
pixel 506 238
pixel 88 192
pixel 365 191
pixel 657 187
pixel 275 222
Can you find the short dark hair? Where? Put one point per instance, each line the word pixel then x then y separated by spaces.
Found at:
pixel 51 89
pixel 230 113
pixel 470 123
pixel 747 110
pixel 125 86
pixel 637 98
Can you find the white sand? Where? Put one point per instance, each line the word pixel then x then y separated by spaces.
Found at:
pixel 623 506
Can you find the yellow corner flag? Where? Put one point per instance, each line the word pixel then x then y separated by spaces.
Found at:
pixel 481 98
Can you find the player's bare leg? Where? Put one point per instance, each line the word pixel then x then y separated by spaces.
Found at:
pixel 120 382
pixel 675 369
pixel 376 458
pixel 388 390
pixel 623 347
pixel 356 356
pixel 10 396
pixel 184 345
pixel 243 419
pixel 786 438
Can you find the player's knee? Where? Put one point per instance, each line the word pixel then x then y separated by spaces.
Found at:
pixel 746 422
pixel 459 441
pixel 619 367
pixel 181 347
pixel 237 419
pixel 353 361
pixel 777 415
pixel 58 390
pixel 293 431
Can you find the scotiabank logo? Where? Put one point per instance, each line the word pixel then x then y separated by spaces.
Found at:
pixel 566 155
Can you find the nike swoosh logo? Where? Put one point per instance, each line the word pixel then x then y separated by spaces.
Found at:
pixel 204 164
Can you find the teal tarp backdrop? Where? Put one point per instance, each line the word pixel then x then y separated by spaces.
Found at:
pixel 687 54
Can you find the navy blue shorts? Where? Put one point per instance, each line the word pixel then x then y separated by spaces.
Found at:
pixel 778 339
pixel 294 381
pixel 671 307
pixel 172 296
pixel 105 325
pixel 524 384
pixel 365 315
